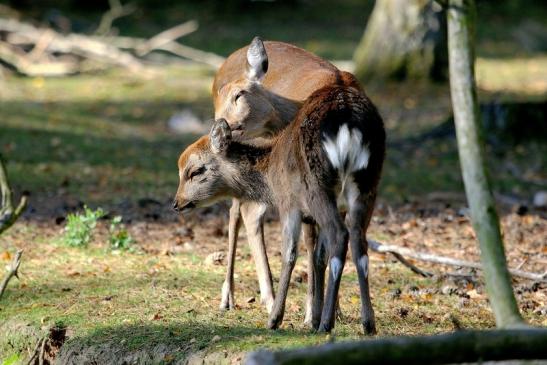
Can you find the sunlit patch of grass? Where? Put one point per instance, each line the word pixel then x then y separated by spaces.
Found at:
pixel 518 77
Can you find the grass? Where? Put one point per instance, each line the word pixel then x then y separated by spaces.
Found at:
pixel 172 300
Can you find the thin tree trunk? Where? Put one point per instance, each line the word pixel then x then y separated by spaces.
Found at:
pixel 461 18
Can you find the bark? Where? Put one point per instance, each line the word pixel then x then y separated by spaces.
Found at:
pixel 452 348
pixel 461 18
pixel 403 39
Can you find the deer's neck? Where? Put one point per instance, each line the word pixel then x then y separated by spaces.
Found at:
pixel 249 163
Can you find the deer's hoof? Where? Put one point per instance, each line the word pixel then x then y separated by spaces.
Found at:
pixel 274 323
pixel 369 328
pixel 324 328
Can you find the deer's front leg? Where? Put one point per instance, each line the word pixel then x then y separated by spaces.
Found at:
pixel 291 223
pixel 253 218
pixel 227 294
pixel 310 240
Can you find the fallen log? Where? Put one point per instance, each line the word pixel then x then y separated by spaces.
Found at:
pixel 450 348
pixel 81 45
pixel 26 66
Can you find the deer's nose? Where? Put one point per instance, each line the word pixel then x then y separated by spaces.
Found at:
pixel 176 205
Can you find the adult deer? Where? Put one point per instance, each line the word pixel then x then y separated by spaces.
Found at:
pixel 330 155
pixel 258 90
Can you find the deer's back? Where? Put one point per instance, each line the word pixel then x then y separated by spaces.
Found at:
pixel 292 73
pixel 300 149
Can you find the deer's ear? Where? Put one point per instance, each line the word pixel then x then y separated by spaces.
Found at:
pixel 220 136
pixel 257 60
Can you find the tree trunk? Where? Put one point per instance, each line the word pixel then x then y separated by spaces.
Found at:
pixel 451 348
pixel 461 18
pixel 403 39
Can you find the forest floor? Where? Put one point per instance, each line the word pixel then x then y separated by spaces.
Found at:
pixel 103 140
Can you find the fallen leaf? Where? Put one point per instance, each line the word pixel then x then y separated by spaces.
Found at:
pixel 6 256
pixel 215 258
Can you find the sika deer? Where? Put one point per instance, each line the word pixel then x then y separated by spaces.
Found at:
pixel 330 155
pixel 258 90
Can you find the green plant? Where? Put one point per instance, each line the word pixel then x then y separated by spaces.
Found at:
pixel 120 239
pixel 79 227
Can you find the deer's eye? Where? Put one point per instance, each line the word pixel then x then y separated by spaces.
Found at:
pixel 200 170
pixel 239 94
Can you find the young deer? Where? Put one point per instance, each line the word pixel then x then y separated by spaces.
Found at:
pixel 258 90
pixel 331 154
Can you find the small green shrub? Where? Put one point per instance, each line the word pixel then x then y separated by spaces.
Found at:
pixel 79 227
pixel 120 239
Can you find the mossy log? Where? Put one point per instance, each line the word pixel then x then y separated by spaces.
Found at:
pixel 452 348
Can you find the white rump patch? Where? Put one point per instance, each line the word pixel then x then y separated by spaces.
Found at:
pixel 347 154
pixel 347 148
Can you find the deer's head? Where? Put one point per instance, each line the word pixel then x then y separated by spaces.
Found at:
pixel 245 103
pixel 205 175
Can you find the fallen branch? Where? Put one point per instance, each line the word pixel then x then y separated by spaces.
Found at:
pixel 451 348
pixel 26 66
pixel 88 47
pixel 443 260
pixel 166 37
pixel 117 10
pixel 193 54
pixel 12 271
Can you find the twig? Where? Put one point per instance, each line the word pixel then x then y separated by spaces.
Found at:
pixel 166 37
pixel 42 351
pixel 411 266
pixel 35 352
pixel 12 271
pixel 427 257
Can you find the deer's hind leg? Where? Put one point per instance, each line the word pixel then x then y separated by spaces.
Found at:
pixel 357 220
pixel 334 238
